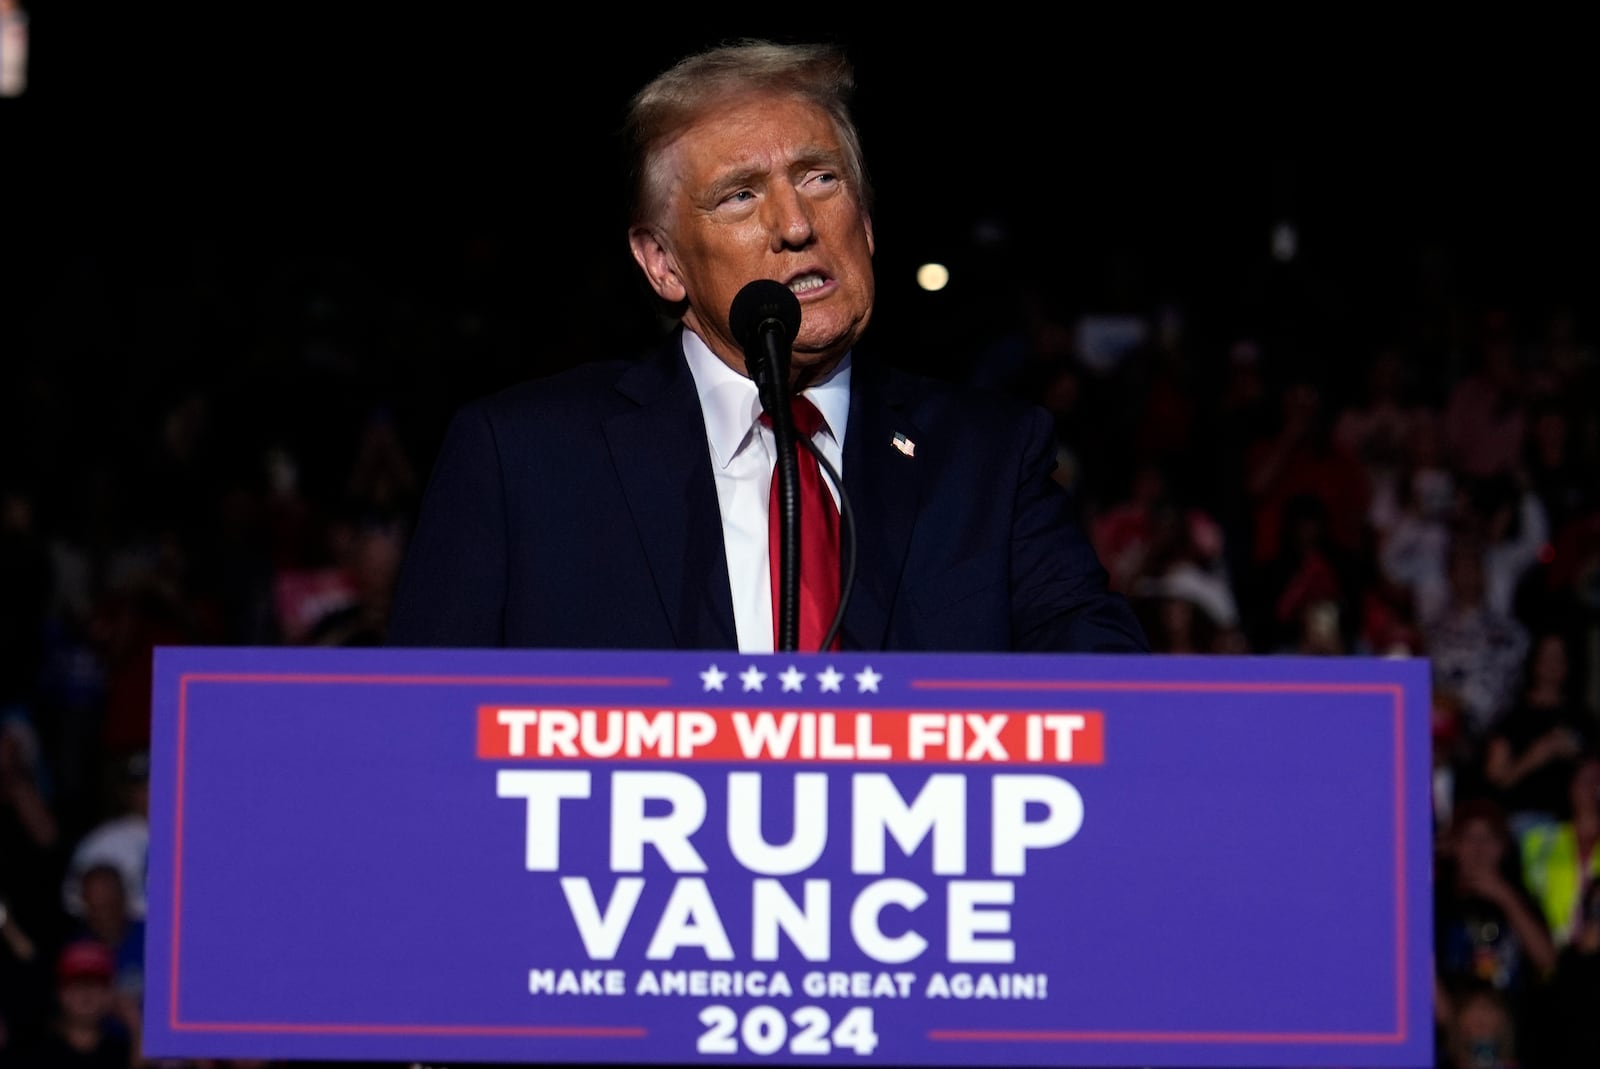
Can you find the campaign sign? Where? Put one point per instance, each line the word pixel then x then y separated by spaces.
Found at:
pixel 713 858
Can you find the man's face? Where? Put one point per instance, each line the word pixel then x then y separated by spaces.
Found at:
pixel 85 1000
pixel 758 190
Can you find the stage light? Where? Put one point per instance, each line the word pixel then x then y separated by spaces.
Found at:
pixel 933 277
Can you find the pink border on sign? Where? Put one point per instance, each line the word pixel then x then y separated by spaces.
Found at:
pixel 176 1025
pixel 1395 692
pixel 1398 1036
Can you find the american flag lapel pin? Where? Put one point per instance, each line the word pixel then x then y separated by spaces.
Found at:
pixel 904 444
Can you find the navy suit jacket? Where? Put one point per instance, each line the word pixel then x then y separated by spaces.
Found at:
pixel 580 511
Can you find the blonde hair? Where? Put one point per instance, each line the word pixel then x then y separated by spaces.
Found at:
pixel 699 83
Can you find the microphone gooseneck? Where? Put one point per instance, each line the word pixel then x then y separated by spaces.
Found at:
pixel 765 317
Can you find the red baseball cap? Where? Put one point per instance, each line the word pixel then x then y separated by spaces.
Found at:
pixel 85 959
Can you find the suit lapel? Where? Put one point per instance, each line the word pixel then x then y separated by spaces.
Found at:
pixel 659 451
pixel 885 488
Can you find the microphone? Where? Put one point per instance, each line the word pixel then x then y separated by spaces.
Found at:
pixel 765 317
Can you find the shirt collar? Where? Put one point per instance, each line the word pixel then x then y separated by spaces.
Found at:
pixel 731 405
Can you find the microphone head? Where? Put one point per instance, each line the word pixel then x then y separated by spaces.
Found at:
pixel 760 306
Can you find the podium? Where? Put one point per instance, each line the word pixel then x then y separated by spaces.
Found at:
pixel 687 858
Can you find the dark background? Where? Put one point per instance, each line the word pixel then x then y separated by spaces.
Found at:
pixel 455 165
pixel 1081 137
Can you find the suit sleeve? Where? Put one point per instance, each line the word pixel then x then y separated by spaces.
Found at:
pixel 1060 597
pixel 451 590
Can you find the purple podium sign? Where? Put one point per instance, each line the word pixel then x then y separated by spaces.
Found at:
pixel 703 858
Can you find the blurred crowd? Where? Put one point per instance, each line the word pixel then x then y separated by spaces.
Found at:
pixel 227 448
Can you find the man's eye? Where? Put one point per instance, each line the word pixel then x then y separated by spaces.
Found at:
pixel 739 197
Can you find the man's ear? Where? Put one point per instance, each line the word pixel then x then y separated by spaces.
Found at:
pixel 866 224
pixel 657 263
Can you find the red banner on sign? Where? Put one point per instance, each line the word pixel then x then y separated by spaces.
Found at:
pixel 1041 737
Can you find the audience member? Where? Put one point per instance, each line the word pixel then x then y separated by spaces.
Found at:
pixel 1481 1032
pixel 1388 624
pixel 108 919
pixel 1560 859
pixel 1570 1027
pixel 85 1030
pixel 1568 589
pixel 1476 651
pixel 333 581
pixel 381 489
pixel 1488 930
pixel 1511 521
pixel 1531 751
pixel 1155 546
pixel 1299 459
pixel 1306 586
pixel 1485 412
pixel 1558 473
pixel 368 555
pixel 1410 520
pixel 1380 428
pixel 121 840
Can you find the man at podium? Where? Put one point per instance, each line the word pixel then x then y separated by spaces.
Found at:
pixel 636 504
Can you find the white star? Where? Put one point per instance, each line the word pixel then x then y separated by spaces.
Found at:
pixel 792 678
pixel 867 679
pixel 753 678
pixel 713 677
pixel 829 679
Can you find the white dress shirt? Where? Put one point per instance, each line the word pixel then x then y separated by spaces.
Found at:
pixel 742 455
